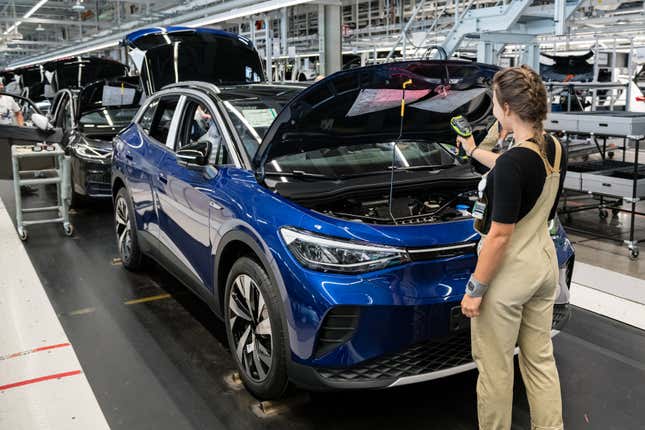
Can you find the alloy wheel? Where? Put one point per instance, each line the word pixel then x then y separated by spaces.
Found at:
pixel 251 328
pixel 123 230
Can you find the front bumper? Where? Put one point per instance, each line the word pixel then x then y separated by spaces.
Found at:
pixel 91 178
pixel 422 362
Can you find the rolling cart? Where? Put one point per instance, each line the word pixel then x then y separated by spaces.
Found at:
pixel 614 182
pixel 58 173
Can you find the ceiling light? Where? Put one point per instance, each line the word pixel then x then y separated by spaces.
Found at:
pixel 78 6
pixel 35 8
pixel 27 15
pixel 40 28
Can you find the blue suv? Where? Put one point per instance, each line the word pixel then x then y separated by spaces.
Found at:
pixel 332 237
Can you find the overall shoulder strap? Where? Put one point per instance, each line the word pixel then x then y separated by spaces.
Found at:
pixel 558 154
pixel 535 148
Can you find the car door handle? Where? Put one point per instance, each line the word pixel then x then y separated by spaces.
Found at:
pixel 128 157
pixel 215 206
pixel 162 178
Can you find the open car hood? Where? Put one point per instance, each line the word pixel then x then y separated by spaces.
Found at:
pixel 174 54
pixel 77 72
pixel 119 92
pixel 362 105
pixel 26 81
pixel 570 68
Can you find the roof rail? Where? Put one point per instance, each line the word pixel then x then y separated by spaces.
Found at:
pixel 199 84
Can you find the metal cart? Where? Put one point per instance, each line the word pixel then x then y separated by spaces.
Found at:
pixel 622 181
pixel 58 173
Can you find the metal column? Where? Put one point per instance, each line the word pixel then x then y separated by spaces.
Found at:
pixel 329 38
pixel 268 47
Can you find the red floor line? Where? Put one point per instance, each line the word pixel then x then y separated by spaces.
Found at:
pixel 41 379
pixel 31 351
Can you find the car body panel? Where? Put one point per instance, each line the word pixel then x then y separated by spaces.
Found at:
pixel 189 218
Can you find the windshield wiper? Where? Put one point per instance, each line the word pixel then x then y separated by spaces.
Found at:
pixel 427 167
pixel 303 174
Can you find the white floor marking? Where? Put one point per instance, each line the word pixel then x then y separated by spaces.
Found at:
pixel 27 322
pixel 608 293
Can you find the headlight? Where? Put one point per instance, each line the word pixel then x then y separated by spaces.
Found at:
pixel 336 255
pixel 91 152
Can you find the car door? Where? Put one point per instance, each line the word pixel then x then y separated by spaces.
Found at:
pixel 63 116
pixel 192 201
pixel 146 145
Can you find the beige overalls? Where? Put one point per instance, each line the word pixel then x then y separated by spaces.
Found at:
pixel 518 310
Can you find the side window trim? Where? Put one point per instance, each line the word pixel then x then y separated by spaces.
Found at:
pixel 174 123
pixel 143 109
pixel 226 137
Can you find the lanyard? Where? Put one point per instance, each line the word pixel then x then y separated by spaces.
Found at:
pixel 481 187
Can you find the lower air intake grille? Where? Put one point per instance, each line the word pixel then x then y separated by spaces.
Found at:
pixel 420 359
pixel 337 328
pixel 560 316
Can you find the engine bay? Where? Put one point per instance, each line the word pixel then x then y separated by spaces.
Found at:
pixel 406 208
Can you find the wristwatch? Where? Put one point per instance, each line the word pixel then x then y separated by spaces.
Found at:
pixel 474 288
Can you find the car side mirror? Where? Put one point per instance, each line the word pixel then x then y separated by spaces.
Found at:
pixel 196 154
pixel 41 122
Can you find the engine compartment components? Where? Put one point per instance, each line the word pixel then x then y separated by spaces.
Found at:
pixel 418 208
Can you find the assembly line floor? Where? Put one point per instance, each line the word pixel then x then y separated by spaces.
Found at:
pixel 156 358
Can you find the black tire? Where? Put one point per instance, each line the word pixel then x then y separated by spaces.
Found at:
pixel 268 381
pixel 126 232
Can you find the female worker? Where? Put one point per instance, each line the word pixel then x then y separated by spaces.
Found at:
pixel 510 295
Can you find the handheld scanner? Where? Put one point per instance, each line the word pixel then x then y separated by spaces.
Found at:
pixel 462 128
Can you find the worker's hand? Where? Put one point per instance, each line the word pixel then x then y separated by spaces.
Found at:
pixel 470 306
pixel 467 143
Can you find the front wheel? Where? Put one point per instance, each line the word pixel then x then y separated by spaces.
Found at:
pixel 126 233
pixel 254 329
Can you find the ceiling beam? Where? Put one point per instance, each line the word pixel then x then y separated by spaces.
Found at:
pixel 35 42
pixel 34 20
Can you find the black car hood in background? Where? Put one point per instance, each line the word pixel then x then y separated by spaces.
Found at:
pixel 363 105
pixel 77 72
pixel 570 68
pixel 25 81
pixel 91 97
pixel 176 54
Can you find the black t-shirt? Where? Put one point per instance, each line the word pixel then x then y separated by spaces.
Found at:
pixel 515 184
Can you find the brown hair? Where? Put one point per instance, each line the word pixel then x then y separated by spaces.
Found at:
pixel 524 92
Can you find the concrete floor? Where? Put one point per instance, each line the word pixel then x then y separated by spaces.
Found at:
pixel 603 252
pixel 163 364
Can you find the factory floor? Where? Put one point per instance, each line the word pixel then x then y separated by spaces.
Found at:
pixel 156 358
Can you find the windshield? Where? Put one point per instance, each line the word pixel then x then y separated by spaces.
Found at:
pixel 113 117
pixel 361 159
pixel 251 119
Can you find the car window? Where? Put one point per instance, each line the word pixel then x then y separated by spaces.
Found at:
pixel 163 118
pixel 146 119
pixel 200 126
